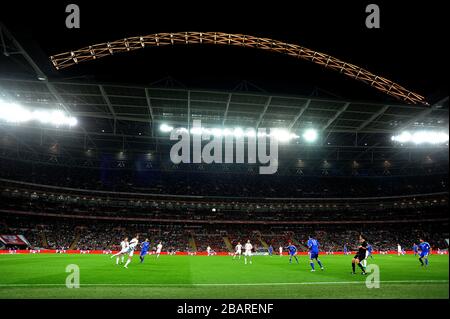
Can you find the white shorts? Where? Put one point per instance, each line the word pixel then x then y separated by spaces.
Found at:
pixel 238 252
pixel 131 252
pixel 124 251
pixel 247 253
pixel 158 251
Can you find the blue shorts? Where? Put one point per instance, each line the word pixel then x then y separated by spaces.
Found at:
pixel 314 255
pixel 423 254
pixel 292 254
pixel 144 252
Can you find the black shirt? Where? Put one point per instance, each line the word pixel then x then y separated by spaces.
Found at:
pixel 362 248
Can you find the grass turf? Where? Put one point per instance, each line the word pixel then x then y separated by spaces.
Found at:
pixel 44 276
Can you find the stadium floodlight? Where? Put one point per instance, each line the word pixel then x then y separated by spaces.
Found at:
pixel 196 131
pixel 15 113
pixel 181 130
pixel 404 137
pixel 250 133
pixel 238 132
pixel 262 134
pixel 227 132
pixel 165 128
pixel 281 135
pixel 217 132
pixel 421 137
pixel 310 135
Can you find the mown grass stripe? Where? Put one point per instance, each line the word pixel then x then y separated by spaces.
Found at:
pixel 226 284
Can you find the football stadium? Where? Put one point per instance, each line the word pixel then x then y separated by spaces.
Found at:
pixel 113 187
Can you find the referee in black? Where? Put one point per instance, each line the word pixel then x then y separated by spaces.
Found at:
pixel 360 255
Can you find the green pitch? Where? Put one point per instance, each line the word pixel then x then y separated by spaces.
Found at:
pixel 44 276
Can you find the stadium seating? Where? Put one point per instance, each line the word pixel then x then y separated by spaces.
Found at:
pixel 61 211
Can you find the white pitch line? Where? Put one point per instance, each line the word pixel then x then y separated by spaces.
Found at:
pixel 231 284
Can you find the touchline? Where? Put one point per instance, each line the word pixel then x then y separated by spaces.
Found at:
pixel 226 147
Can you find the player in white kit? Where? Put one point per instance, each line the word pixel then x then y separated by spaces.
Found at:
pixel 133 243
pixel 122 252
pixel 238 250
pixel 248 251
pixel 208 251
pixel 158 249
pixel 399 250
pixel 281 251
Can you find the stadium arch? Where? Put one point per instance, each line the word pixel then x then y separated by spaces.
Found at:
pixel 96 51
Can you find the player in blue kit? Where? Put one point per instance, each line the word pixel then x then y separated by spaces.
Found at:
pixel 415 249
pixel 270 250
pixel 145 246
pixel 292 250
pixel 345 249
pixel 424 248
pixel 313 246
pixel 369 251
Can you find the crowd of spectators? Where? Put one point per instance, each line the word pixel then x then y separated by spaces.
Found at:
pixel 62 233
pixel 50 201
pixel 230 208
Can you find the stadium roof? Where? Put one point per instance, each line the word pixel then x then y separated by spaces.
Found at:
pixel 121 109
pixel 120 118
pixel 116 116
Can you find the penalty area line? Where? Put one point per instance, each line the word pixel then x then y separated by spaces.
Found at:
pixel 228 284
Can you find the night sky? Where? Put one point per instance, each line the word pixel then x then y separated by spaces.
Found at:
pixel 409 48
